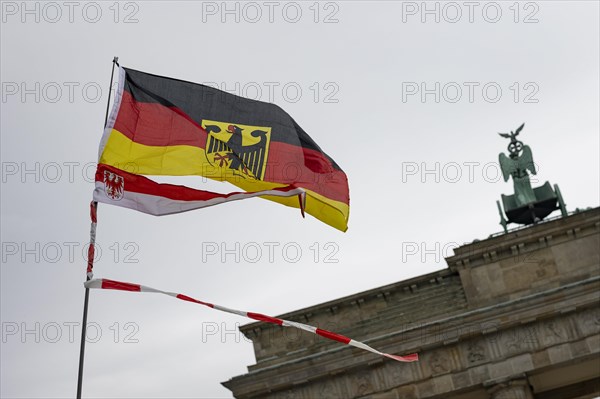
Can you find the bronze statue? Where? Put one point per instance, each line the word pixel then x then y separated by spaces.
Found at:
pixel 527 205
pixel 517 165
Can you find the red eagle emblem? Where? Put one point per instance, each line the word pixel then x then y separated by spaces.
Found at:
pixel 113 185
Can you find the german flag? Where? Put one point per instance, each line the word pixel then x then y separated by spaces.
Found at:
pixel 165 126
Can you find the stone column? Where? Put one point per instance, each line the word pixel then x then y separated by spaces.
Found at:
pixel 514 389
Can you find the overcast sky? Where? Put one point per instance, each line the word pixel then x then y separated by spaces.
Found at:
pixel 407 102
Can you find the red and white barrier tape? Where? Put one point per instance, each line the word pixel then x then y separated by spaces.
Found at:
pixel 117 285
pixel 92 246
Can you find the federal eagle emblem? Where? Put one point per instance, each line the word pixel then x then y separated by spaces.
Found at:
pixel 239 149
pixel 113 185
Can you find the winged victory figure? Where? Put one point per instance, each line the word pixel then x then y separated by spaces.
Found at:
pixel 519 161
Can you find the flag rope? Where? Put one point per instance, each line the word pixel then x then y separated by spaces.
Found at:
pixel 122 286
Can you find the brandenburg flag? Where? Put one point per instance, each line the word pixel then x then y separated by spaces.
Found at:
pixel 164 126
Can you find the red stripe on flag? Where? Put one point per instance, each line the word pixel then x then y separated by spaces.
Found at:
pixel 305 168
pixel 154 124
pixel 118 285
pixel 333 336
pixel 265 318
pixel 142 185
pixel 190 299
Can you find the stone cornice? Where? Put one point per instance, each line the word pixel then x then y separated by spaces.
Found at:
pixel 523 241
pixel 303 315
pixel 476 323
